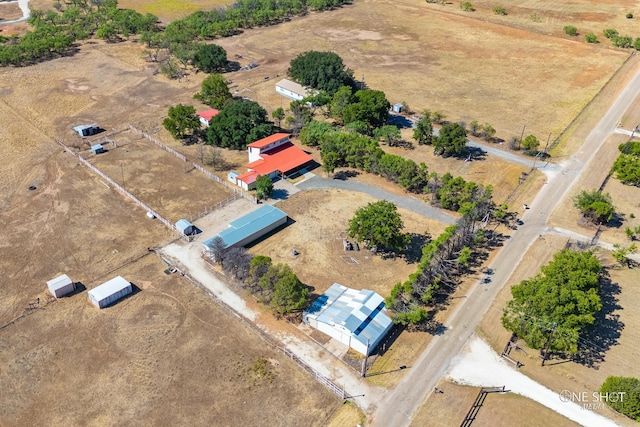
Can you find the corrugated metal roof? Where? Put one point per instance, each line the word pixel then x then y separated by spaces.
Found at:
pixel 268 140
pixel 59 282
pixel 109 288
pixel 293 87
pixel 361 312
pixel 249 224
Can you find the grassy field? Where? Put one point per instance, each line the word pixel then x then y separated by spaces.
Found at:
pixel 168 10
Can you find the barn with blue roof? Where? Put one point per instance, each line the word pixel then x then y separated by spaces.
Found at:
pixel 355 318
pixel 250 227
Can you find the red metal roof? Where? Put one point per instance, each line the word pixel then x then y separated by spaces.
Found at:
pixel 208 114
pixel 283 158
pixel 268 140
pixel 248 177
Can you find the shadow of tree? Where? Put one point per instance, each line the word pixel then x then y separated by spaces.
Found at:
pixel 605 331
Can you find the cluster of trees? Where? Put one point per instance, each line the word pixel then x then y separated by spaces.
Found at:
pixel 627 395
pixel 443 261
pixel 621 41
pixel 275 285
pixel 451 139
pixel 595 206
pixel 378 225
pixel 324 71
pixel 55 32
pixel 627 165
pixel 550 310
pixel 239 123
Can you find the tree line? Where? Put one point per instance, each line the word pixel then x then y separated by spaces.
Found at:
pixel 274 285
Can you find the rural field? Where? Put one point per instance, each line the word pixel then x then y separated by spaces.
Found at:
pixel 169 354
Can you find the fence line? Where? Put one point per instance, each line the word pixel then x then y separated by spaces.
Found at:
pixel 209 209
pixel 319 377
pixel 214 177
pixel 119 188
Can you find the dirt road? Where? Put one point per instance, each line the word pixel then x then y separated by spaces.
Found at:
pixel 398 408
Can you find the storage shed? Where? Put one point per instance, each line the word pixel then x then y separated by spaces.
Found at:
pixel 233 177
pixel 250 227
pixel 355 318
pixel 110 292
pixel 397 108
pixel 61 286
pixel 184 227
pixel 86 130
pixel 97 149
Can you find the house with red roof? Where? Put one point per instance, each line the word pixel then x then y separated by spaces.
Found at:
pixel 274 156
pixel 206 116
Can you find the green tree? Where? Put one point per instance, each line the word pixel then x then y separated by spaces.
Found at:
pixel 438 117
pixel 258 266
pixel 289 295
pixel 182 121
pixel 452 140
pixel 627 169
pixel 636 44
pixel 610 33
pixel 595 206
pixel 330 160
pixel 621 253
pixel 474 127
pixel 214 91
pixel 321 70
pixel 500 10
pixel 389 134
pixel 340 101
pixel 423 132
pixel 570 30
pixel 622 41
pixel 550 310
pixel 264 187
pixel 278 114
pixel 379 224
pixel 530 143
pixel 488 132
pixel 467 6
pixel 369 106
pixel 210 58
pixel 627 395
pixel 314 132
pixel 591 38
pixel 238 124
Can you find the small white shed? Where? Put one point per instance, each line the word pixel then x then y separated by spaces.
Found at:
pixel 184 227
pixel 110 292
pixel 61 286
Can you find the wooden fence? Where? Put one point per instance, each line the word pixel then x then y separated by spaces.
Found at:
pixel 216 178
pixel 319 377
pixel 120 188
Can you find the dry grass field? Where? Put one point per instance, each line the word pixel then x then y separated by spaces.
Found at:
pixel 432 59
pixel 320 220
pixel 448 409
pixel 168 10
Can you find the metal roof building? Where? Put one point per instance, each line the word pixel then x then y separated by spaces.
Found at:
pixel 184 227
pixel 86 130
pixel 61 286
pixel 291 90
pixel 355 318
pixel 250 227
pixel 110 292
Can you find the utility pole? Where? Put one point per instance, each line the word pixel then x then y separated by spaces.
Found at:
pixel 548 344
pixel 364 362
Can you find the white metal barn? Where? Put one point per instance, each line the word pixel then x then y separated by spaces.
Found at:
pixel 355 318
pixel 110 292
pixel 61 286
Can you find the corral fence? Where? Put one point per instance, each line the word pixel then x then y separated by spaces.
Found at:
pixel 207 210
pixel 120 188
pixel 340 391
pixel 237 190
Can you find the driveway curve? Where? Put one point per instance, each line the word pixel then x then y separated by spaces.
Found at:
pixel 409 203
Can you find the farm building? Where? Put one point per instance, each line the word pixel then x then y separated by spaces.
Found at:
pixel 184 227
pixel 233 177
pixel 206 116
pixel 274 155
pixel 396 108
pixel 61 286
pixel 86 130
pixel 250 227
pixel 97 149
pixel 110 292
pixel 355 318
pixel 291 90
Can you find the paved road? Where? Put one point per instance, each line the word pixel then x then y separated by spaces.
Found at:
pixel 409 203
pixel 24 7
pixel 399 406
